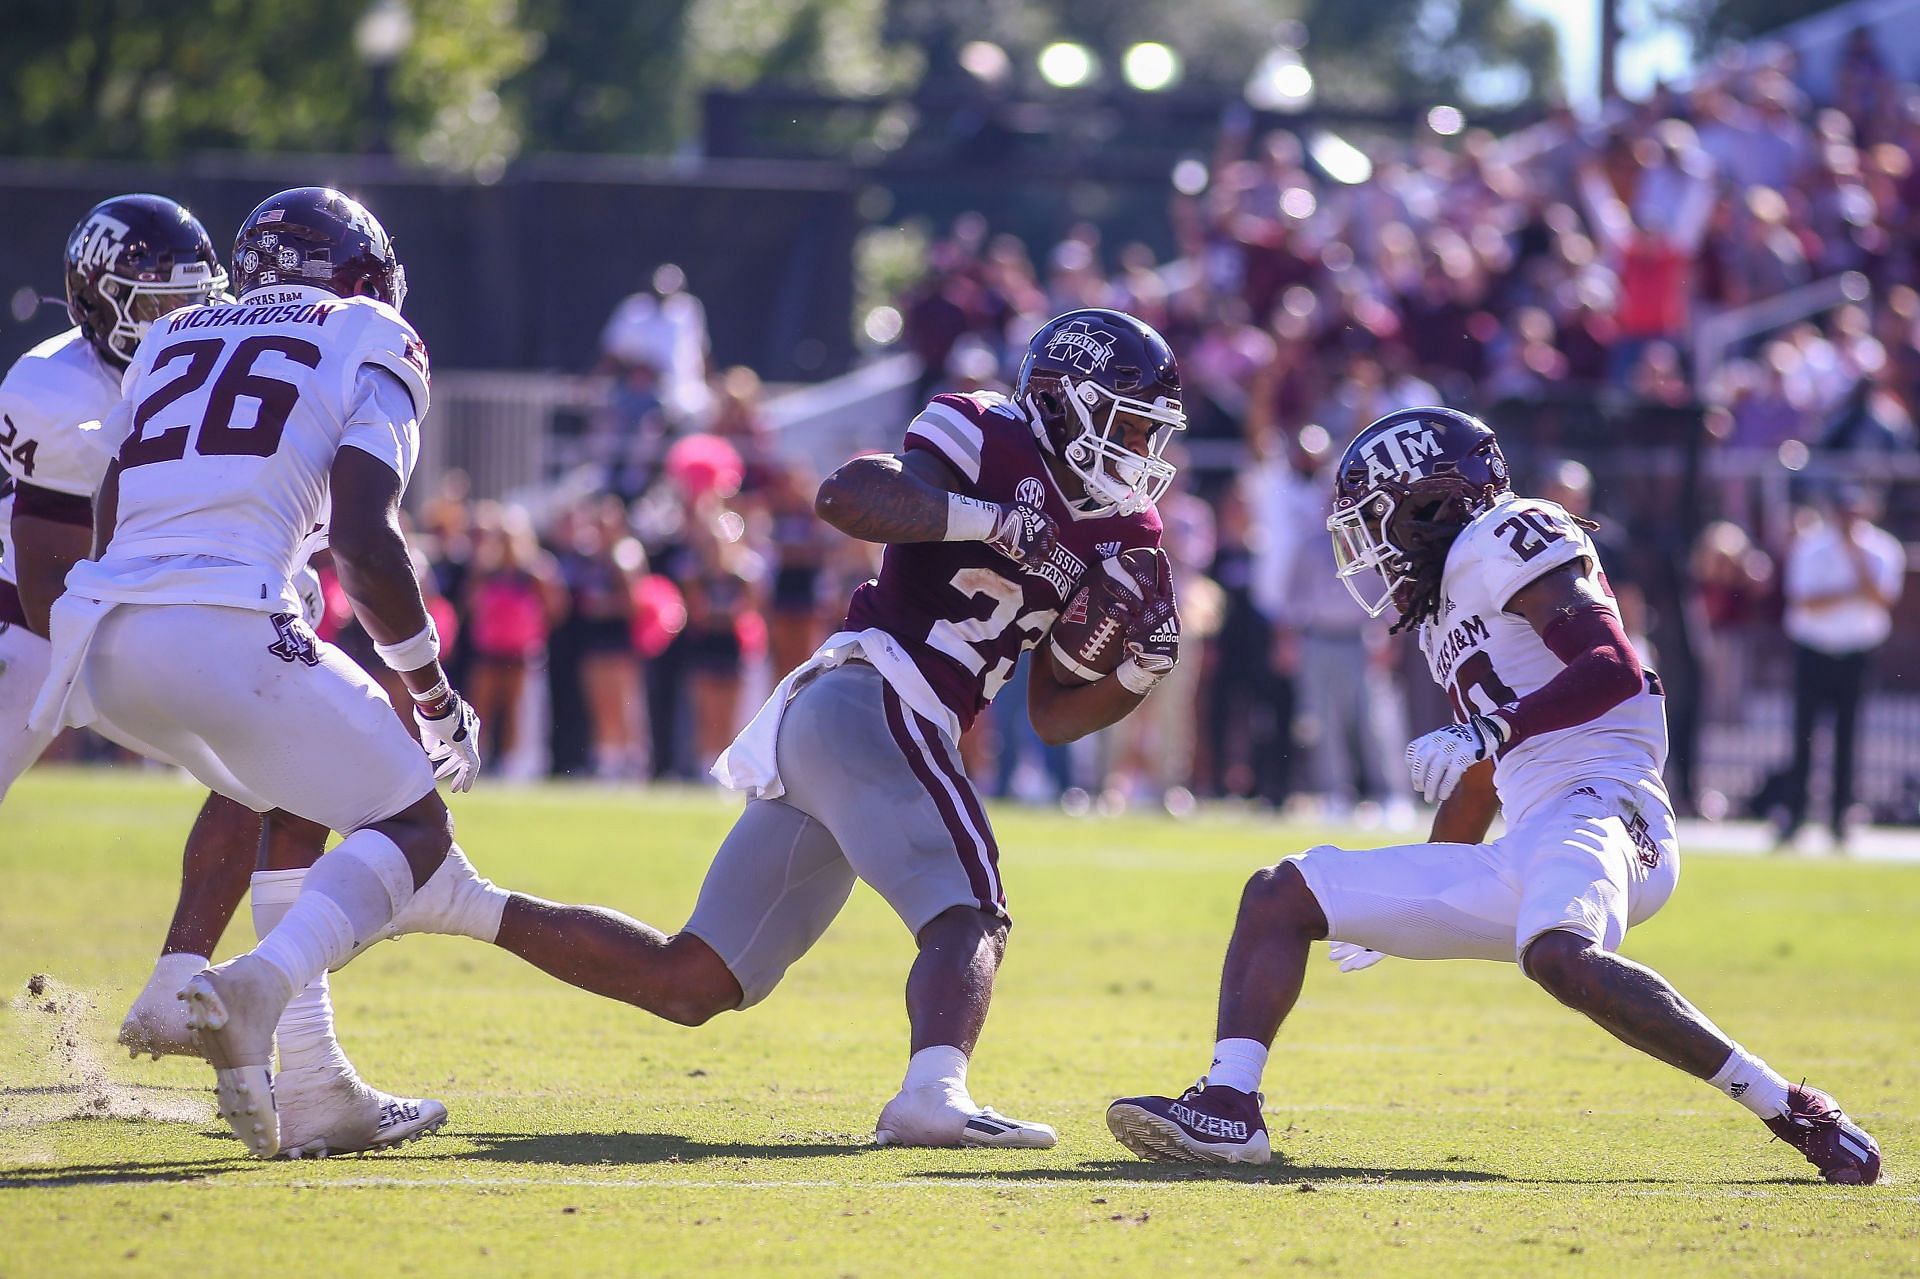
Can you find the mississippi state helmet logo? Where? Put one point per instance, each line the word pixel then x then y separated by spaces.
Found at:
pixel 1080 348
pixel 1398 453
pixel 100 243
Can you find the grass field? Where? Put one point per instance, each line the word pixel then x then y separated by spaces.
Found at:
pixel 1428 1119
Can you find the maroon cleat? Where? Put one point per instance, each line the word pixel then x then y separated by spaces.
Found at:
pixel 1212 1125
pixel 1816 1127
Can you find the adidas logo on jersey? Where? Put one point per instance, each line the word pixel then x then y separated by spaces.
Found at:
pixel 1106 550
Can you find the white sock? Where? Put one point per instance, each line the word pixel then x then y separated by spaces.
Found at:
pixel 305 1033
pixel 454 902
pixel 940 1064
pixel 1238 1063
pixel 1752 1083
pixel 353 891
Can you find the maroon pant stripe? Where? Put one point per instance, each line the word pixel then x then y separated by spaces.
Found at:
pixel 937 747
pixel 956 829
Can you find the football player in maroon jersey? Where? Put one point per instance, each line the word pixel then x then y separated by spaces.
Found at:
pixel 991 514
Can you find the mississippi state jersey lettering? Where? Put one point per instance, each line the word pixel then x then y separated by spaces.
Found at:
pixel 46 396
pixel 965 613
pixel 232 417
pixel 1485 657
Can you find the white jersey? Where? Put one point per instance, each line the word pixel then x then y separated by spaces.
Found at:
pixel 45 398
pixel 1485 657
pixel 227 435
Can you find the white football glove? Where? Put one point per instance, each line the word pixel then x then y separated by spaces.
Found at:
pixel 452 743
pixel 1352 958
pixel 313 601
pixel 1438 760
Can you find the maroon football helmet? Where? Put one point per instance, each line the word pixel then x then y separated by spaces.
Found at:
pixel 316 236
pixel 131 260
pixel 1404 489
pixel 1084 375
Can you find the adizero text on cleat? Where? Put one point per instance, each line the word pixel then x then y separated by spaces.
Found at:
pixel 1815 1126
pixel 1205 1124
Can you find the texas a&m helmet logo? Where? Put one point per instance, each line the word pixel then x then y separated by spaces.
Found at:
pixel 1400 453
pixel 100 242
pixel 1078 346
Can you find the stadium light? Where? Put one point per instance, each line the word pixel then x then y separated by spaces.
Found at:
pixel 984 60
pixel 1446 121
pixel 1065 64
pixel 1342 161
pixel 1190 176
pixel 383 32
pixel 1150 66
pixel 883 326
pixel 1281 82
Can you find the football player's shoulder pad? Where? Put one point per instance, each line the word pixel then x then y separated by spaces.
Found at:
pixel 387 341
pixel 1511 544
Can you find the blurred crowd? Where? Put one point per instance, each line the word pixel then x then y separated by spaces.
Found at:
pixel 624 624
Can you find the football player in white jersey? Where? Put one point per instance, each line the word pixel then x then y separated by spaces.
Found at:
pixel 1560 725
pixel 246 427
pixel 130 261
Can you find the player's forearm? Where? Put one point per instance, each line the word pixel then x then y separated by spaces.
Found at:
pixel 877 499
pixel 1061 714
pixel 1465 816
pixel 41 552
pixel 376 572
pixel 106 509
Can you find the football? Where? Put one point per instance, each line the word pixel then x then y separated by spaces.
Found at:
pixel 1088 641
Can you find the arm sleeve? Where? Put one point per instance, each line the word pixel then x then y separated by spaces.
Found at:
pixel 946 431
pixel 381 421
pixel 1602 671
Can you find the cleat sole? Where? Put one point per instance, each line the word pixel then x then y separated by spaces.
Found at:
pixel 1161 1140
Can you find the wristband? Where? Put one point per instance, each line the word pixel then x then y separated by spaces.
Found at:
pixel 1135 678
pixel 969 519
pixel 434 702
pixel 412 654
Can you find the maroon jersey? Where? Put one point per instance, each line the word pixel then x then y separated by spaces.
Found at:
pixel 965 613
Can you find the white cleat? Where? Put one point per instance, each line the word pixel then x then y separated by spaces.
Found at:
pixel 157 1023
pixel 232 1010
pixel 327 1111
pixel 935 1115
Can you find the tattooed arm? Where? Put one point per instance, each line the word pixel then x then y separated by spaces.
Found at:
pixel 915 497
pixel 888 498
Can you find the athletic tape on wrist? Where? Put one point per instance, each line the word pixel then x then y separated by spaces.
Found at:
pixel 969 519
pixel 1135 678
pixel 435 696
pixel 412 654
